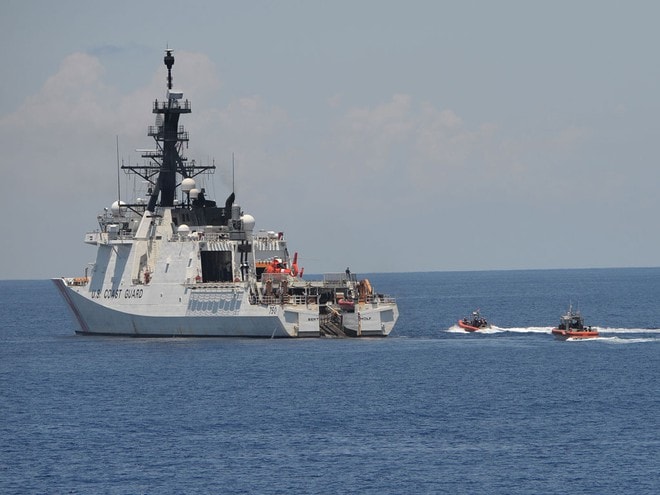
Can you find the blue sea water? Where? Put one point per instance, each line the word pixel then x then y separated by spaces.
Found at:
pixel 430 409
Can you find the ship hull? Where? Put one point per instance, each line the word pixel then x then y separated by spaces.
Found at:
pixel 561 334
pixel 470 328
pixel 94 318
pixel 208 319
pixel 370 321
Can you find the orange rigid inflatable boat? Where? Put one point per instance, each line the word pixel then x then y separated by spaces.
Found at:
pixel 473 322
pixel 571 326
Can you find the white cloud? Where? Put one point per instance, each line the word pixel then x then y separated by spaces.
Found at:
pixel 375 130
pixel 50 137
pixel 433 152
pixel 431 149
pixel 69 96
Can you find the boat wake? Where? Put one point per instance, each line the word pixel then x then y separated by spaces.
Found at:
pixel 457 329
pixel 627 335
pixel 617 340
pixel 630 330
pixel 494 329
pixel 612 335
pixel 526 329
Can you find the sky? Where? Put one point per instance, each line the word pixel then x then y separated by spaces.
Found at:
pixel 387 136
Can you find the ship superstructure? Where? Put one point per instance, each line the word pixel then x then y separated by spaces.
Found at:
pixel 177 264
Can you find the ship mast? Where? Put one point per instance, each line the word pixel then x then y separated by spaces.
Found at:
pixel 166 159
pixel 169 139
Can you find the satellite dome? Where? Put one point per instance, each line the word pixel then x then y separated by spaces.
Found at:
pixel 117 208
pixel 248 222
pixel 194 193
pixel 183 229
pixel 187 184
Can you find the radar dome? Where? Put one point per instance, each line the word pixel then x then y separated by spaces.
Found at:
pixel 248 222
pixel 183 229
pixel 194 193
pixel 117 208
pixel 187 184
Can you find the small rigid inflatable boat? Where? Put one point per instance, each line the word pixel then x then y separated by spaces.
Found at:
pixel 473 322
pixel 571 326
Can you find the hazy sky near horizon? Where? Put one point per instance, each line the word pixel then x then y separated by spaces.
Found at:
pixel 385 136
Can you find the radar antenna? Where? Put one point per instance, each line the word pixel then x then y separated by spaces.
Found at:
pixel 169 62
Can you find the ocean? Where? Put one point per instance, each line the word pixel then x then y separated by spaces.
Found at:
pixel 429 409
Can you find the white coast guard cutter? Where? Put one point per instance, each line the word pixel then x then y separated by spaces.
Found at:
pixel 179 265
